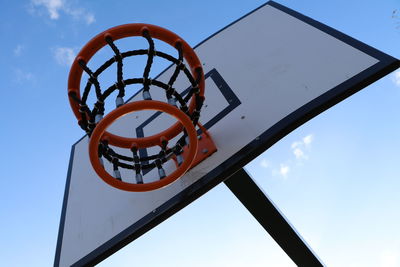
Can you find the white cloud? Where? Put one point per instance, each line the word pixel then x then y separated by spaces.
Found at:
pixel 89 17
pixel 80 14
pixel 296 144
pixel 55 7
pixel 396 78
pixel 299 154
pixel 18 50
pixel 21 76
pixel 64 55
pixel 284 170
pixel 299 147
pixel 308 139
pixel 264 163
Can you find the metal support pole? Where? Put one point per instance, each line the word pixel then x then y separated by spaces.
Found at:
pixel 262 208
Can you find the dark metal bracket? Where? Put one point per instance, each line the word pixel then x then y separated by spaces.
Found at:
pixel 270 218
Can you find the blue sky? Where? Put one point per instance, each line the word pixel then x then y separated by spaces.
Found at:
pixel 336 178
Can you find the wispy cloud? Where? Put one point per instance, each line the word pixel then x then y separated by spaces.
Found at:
pixel 64 56
pixel 299 154
pixel 89 17
pixel 396 78
pixel 265 163
pixel 284 170
pixel 18 50
pixel 308 139
pixel 21 76
pixel 296 144
pixel 55 8
pixel 299 147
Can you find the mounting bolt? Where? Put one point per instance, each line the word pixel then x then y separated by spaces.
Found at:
pixel 146 95
pixel 139 178
pixel 119 101
pixel 117 175
pixel 161 173
pixel 179 159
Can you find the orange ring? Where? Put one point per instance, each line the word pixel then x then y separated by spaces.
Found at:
pixel 100 129
pixel 127 30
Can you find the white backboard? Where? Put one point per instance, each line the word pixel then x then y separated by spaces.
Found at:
pixel 266 74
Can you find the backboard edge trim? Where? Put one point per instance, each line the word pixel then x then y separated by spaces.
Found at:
pixel 64 209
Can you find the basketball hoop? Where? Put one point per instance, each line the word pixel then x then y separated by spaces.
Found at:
pixel 186 109
pixel 87 117
pixel 158 139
